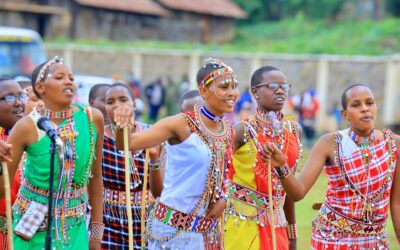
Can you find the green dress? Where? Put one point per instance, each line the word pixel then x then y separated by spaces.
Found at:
pixel 70 205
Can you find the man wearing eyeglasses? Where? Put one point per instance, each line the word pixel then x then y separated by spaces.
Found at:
pixel 12 106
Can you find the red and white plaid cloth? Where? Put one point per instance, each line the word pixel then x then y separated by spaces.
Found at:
pixel 347 172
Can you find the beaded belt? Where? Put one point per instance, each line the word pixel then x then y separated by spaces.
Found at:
pixel 251 197
pixel 119 197
pixel 22 204
pixel 74 193
pixel 349 225
pixel 183 221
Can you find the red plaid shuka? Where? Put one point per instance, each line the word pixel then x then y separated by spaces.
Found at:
pixel 114 211
pixel 341 223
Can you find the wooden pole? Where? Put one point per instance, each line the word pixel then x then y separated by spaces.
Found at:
pixel 271 205
pixel 144 196
pixel 128 188
pixel 8 206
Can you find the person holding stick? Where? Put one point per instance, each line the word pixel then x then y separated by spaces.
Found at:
pixel 362 166
pixel 249 224
pixel 77 175
pixel 114 208
pixel 12 104
pixel 199 149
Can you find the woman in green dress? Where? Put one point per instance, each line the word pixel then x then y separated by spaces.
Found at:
pixel 77 173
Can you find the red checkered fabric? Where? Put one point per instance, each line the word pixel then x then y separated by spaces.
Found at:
pixel 348 182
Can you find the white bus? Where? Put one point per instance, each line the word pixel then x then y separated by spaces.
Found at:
pixel 21 50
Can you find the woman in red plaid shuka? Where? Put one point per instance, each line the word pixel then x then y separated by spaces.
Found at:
pixel 360 163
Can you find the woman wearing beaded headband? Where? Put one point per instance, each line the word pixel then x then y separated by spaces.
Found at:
pixel 81 130
pixel 199 148
pixel 363 178
pixel 12 104
pixel 248 218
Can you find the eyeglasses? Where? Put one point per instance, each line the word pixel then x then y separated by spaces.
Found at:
pixel 274 86
pixel 12 99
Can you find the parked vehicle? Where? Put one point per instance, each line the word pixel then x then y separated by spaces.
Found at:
pixel 21 50
pixel 84 83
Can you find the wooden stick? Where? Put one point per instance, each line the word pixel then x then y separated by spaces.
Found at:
pixel 8 206
pixel 271 205
pixel 128 188
pixel 144 196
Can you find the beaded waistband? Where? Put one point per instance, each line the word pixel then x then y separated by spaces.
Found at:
pixel 183 221
pixel 118 197
pixel 349 225
pixel 251 197
pixel 21 204
pixel 74 193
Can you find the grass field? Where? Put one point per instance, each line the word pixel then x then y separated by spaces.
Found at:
pixel 296 35
pixel 305 214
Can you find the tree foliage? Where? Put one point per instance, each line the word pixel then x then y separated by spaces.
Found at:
pixel 393 7
pixel 275 10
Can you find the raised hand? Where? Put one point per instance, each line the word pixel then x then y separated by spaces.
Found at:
pixel 271 151
pixel 123 116
pixel 215 210
pixel 5 151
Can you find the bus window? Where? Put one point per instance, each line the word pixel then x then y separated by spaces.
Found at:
pixel 21 50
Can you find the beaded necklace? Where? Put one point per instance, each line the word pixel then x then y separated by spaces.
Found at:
pixel 271 125
pixel 366 147
pixel 220 145
pixel 57 115
pixel 67 162
pixel 363 144
pixel 210 115
pixel 262 124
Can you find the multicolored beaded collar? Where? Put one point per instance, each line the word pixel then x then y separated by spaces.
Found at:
pixel 57 115
pixel 361 141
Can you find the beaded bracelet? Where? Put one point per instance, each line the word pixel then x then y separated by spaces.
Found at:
pixel 96 230
pixel 283 172
pixel 154 165
pixel 292 232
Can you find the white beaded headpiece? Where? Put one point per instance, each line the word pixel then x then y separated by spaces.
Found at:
pixel 48 67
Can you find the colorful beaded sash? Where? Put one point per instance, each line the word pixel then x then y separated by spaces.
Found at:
pixel 71 194
pixel 251 197
pixel 118 197
pixel 183 221
pixel 22 204
pixel 349 225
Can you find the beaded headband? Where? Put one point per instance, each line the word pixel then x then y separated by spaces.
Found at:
pixel 221 69
pixel 49 66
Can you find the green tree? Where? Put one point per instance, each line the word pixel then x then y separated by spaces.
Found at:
pixel 275 10
pixel 393 7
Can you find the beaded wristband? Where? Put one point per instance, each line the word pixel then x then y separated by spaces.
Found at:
pixel 283 172
pixel 96 230
pixel 154 165
pixel 292 232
